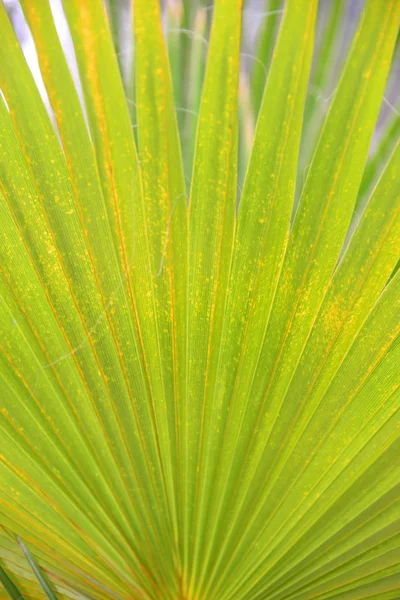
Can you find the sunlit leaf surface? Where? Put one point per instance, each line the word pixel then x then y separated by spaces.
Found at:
pixel 200 379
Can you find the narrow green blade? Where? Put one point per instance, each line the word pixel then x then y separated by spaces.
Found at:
pixel 9 585
pixel 211 230
pixel 36 569
pixel 164 219
pixel 265 46
pixel 374 166
pixel 321 82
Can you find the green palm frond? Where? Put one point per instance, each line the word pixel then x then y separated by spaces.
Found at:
pixel 199 374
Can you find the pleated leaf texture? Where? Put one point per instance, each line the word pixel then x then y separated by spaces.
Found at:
pixel 200 358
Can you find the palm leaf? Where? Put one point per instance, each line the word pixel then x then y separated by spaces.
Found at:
pixel 199 397
pixel 9 586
